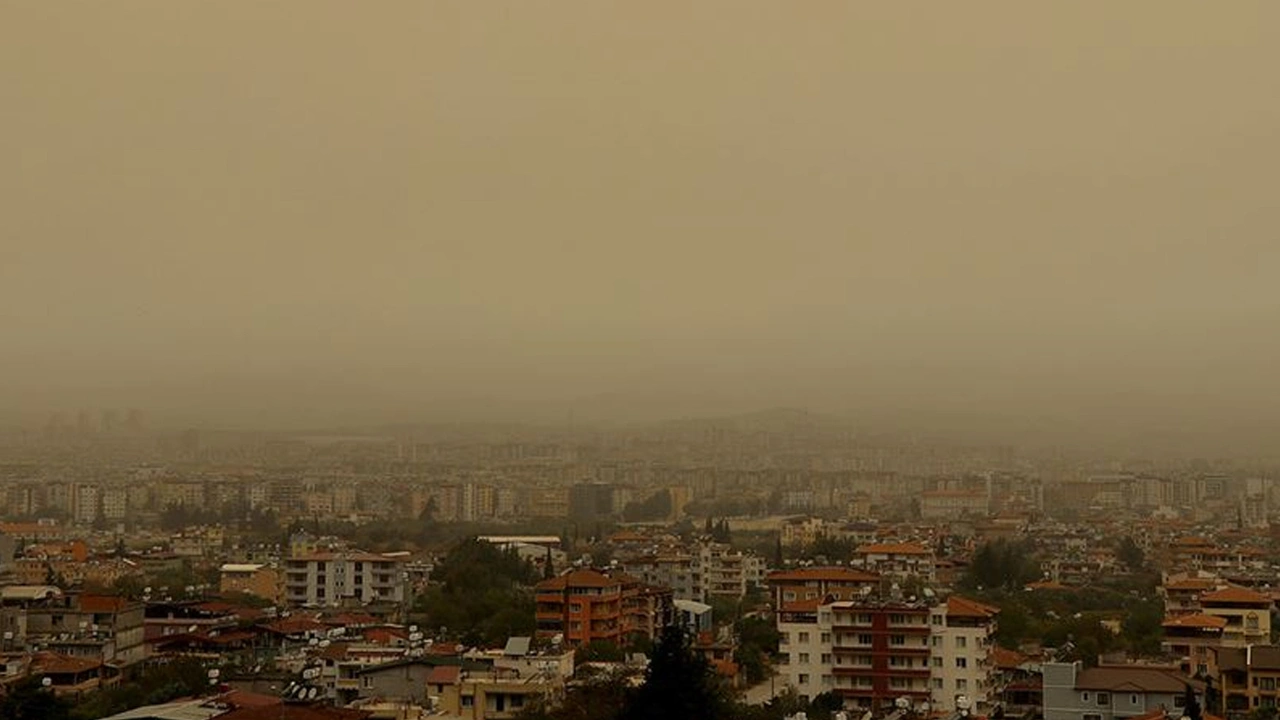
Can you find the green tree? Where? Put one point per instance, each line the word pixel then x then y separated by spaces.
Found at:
pixel 678 684
pixel 1190 705
pixel 29 700
pixel 1129 553
pixel 481 594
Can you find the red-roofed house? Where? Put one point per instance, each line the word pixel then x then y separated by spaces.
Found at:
pixel 1190 638
pixel 897 560
pixel 1248 615
pixel 817 583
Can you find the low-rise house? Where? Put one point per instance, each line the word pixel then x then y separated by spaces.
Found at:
pixel 1113 692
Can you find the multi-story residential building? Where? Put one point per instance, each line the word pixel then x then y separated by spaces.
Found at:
pixel 961 643
pixel 676 570
pixel 1112 692
pixel 256 579
pixel 586 605
pixel 1182 594
pixel 1248 678
pixel 872 652
pixel 726 572
pixel 336 578
pixel 953 504
pixel 1191 638
pixel 88 503
pixel 115 503
pixel 105 628
pixel 817 583
pixel 1248 615
pixel 185 494
pixel 897 560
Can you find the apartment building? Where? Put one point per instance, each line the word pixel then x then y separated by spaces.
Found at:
pixel 585 605
pixel 1248 615
pixel 953 504
pixel 961 643
pixel 872 652
pixel 1191 638
pixel 104 628
pixel 337 578
pixel 1248 678
pixel 818 583
pixel 897 560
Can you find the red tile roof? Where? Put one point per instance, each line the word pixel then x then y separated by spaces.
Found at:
pixel 1235 595
pixel 1196 620
pixel 893 549
pixel 828 574
pixel 102 603
pixel 964 607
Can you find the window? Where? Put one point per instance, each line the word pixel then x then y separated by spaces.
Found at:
pixel 937 683
pixel 1104 699
pixel 826 658
pixel 936 641
pixel 468 700
pixel 804 637
pixel 1251 621
pixel 1133 699
pixel 1178 700
pixel 897 639
pixel 784 638
pixel 897 619
pixel 962 641
pixel 1268 683
pixel 962 685
pixel 864 639
pixel 804 658
pixel 937 661
pixel 826 638
pixel 1268 701
pixel 1084 697
pixel 1091 716
pixel 962 662
pixel 937 619
pixel 803 679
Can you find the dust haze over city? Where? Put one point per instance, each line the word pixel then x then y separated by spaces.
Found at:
pixel 481 360
pixel 963 218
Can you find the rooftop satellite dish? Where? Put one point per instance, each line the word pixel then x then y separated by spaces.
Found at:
pixel 313 693
pixel 902 703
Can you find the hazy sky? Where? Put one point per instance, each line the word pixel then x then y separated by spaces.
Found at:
pixel 272 211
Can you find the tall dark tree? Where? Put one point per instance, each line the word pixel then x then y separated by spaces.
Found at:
pixel 548 567
pixel 678 684
pixel 1190 705
pixel 1128 552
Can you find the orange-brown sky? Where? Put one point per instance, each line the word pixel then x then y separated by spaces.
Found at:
pixel 269 212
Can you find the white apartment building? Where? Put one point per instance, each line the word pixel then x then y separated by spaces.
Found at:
pixel 115 502
pixel 336 578
pixel 88 501
pixel 873 652
pixel 960 642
